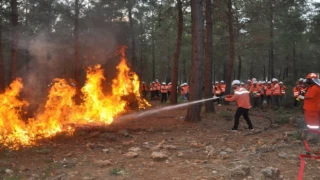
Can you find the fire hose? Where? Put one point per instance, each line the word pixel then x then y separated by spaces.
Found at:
pixel 308 154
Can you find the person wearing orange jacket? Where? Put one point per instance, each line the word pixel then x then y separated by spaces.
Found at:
pixel 276 93
pixel 158 87
pixel 269 94
pixel 296 93
pixel 282 92
pixel 312 101
pixel 262 92
pixel 241 96
pixel 255 94
pixel 144 89
pixel 152 90
pixel 164 92
pixel 217 92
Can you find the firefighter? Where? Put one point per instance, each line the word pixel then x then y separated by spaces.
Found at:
pixel 296 93
pixel 157 88
pixel 269 94
pixel 164 92
pixel 152 90
pixel 184 91
pixel 255 94
pixel 276 93
pixel 312 101
pixel 241 96
pixel 217 92
pixel 169 89
pixel 282 92
pixel 248 85
pixel 144 89
pixel 262 93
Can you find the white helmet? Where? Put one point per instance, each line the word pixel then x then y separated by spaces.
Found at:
pixel 254 82
pixel 217 82
pixel 242 83
pixel 170 83
pixel 274 80
pixel 254 79
pixel 235 82
pixel 280 82
pixel 163 83
pixel 249 80
pixel 222 81
pixel 157 80
pixel 269 82
pixel 301 79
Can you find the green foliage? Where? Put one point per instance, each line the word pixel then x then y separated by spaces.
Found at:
pixel 116 171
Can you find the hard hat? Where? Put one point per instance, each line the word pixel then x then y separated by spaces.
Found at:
pixel 280 82
pixel 254 82
pixel 249 80
pixel 163 83
pixel 235 82
pixel 222 81
pixel 157 80
pixel 269 82
pixel 217 82
pixel 170 83
pixel 242 83
pixel 301 79
pixel 274 80
pixel 254 79
pixel 142 82
pixel 312 76
pixel 152 81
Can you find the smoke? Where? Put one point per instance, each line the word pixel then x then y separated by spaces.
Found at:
pixel 48 57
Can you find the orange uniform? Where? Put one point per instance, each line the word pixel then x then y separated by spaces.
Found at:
pixel 241 96
pixel 296 92
pixel 312 106
pixel 255 90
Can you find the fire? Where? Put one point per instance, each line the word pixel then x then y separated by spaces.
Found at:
pixel 61 113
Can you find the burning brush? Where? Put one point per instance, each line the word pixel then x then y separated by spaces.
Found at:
pixel 61 111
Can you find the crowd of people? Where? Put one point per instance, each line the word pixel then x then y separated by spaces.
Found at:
pixel 253 93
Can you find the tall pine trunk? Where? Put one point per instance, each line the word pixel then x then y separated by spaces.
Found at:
pixel 2 82
pixel 295 73
pixel 197 65
pixel 15 39
pixel 231 47
pixel 209 106
pixel 271 58
pixel 133 42
pixel 153 54
pixel 175 67
pixel 76 44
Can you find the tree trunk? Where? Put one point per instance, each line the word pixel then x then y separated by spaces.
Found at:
pixel 295 73
pixel 231 47
pixel 76 44
pixel 2 82
pixel 141 52
pixel 185 79
pixel 197 67
pixel 15 39
pixel 153 55
pixel 239 67
pixel 133 42
pixel 271 59
pixel 209 106
pixel 175 67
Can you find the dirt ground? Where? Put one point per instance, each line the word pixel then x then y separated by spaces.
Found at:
pixel 164 146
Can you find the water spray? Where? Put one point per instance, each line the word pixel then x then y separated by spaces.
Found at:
pixel 154 111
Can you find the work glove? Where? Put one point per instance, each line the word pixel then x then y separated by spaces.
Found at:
pixel 301 97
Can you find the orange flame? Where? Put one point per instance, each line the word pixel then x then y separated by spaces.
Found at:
pixel 61 111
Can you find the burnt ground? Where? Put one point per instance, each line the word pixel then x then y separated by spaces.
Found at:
pixel 181 150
